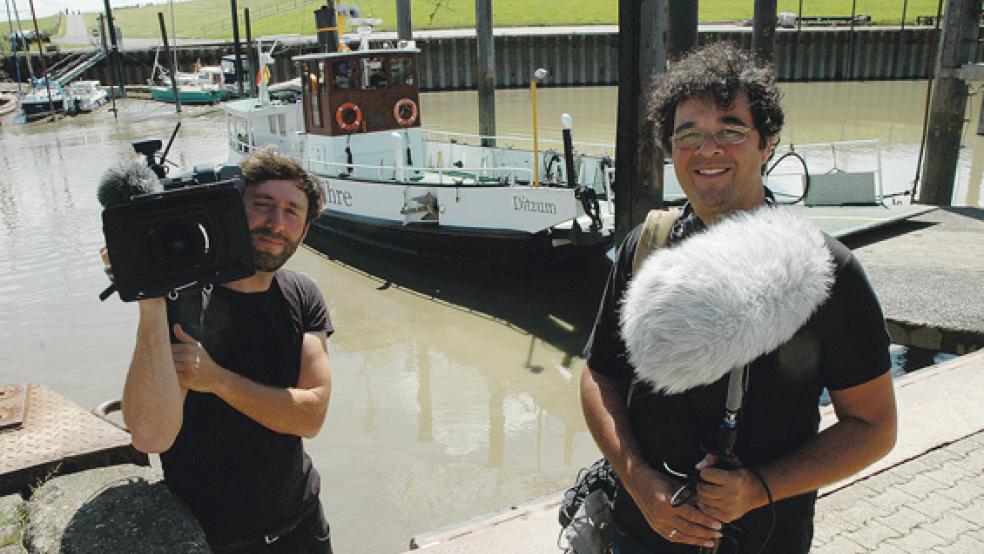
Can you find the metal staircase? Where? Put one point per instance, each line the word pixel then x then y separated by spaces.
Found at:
pixel 75 65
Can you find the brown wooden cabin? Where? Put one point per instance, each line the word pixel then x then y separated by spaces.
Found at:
pixel 375 81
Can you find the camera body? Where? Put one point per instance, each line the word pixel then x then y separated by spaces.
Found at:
pixel 192 234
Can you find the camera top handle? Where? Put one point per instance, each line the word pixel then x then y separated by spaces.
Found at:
pixel 170 141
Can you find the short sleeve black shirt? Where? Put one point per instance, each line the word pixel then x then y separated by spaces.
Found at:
pixel 844 344
pixel 239 478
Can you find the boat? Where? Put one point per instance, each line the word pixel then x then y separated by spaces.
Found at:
pixel 84 96
pixel 230 82
pixel 37 103
pixel 205 89
pixel 358 127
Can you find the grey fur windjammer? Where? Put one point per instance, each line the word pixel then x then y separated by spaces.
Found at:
pixel 724 297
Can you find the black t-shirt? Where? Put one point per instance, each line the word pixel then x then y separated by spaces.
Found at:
pixel 239 478
pixel 843 344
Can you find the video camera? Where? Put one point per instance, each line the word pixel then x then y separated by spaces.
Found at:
pixel 165 234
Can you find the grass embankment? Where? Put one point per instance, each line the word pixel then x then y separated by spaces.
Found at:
pixel 54 25
pixel 205 18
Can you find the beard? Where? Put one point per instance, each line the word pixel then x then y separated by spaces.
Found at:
pixel 268 261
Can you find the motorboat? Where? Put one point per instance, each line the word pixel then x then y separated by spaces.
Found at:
pixel 84 96
pixel 39 103
pixel 207 88
pixel 388 181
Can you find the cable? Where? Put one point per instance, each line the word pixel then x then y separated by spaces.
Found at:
pixel 806 174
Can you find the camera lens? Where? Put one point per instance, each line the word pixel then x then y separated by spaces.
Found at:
pixel 177 245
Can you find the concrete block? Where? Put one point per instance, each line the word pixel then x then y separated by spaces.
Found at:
pixel 122 508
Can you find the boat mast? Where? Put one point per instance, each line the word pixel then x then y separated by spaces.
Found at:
pixel 20 30
pixel 44 64
pixel 13 44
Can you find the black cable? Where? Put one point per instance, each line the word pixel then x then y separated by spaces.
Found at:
pixel 772 507
pixel 806 174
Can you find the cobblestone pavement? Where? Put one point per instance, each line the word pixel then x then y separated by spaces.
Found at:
pixel 933 503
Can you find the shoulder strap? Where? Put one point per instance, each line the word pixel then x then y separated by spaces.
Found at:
pixel 655 234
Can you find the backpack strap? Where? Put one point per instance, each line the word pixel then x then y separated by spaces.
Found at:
pixel 655 234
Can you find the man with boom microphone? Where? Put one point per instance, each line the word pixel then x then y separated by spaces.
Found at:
pixel 227 406
pixel 743 288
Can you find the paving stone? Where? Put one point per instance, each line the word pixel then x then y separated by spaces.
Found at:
pixel 963 545
pixel 940 456
pixel 935 505
pixel 950 472
pixel 911 468
pixel 921 486
pixel 886 548
pixel 892 498
pixel 949 527
pixel 965 490
pixel 860 513
pixel 871 534
pixel 919 540
pixel 905 519
pixel 973 512
pixel 840 545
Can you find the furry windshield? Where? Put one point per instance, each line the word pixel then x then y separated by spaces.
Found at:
pixel 724 297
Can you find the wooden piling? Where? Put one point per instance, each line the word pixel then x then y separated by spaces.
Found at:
pixel 404 28
pixel 949 101
pixel 764 31
pixel 485 71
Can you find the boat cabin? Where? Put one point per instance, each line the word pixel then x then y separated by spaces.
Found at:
pixel 360 91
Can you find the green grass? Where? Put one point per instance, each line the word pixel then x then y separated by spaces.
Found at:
pixel 201 18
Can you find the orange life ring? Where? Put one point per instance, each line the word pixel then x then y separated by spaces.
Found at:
pixel 397 112
pixel 340 119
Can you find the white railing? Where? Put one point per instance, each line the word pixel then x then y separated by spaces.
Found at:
pixel 468 138
pixel 392 172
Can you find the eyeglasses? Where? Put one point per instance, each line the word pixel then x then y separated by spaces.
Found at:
pixel 726 136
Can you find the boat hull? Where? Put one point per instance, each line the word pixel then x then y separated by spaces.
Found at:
pixel 39 109
pixel 166 94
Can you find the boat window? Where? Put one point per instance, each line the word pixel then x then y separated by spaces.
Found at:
pixel 282 119
pixel 373 76
pixel 401 71
pixel 273 124
pixel 344 75
pixel 313 98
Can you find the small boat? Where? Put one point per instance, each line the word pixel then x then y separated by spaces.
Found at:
pixel 230 82
pixel 357 126
pixel 84 96
pixel 37 103
pixel 205 89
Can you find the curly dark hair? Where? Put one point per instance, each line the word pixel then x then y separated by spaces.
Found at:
pixel 267 164
pixel 718 71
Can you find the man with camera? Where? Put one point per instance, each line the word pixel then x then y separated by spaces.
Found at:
pixel 225 381
pixel 717 112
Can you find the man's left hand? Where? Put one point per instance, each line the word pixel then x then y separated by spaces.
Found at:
pixel 197 370
pixel 726 494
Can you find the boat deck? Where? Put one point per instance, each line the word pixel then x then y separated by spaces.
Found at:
pixel 842 221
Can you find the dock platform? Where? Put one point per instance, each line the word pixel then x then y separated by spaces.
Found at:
pixel 927 495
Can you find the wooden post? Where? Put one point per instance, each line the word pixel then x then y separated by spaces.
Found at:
pixel 764 31
pixel 958 43
pixel 238 63
pixel 114 55
pixel 404 28
pixel 485 71
pixel 170 62
pixel 44 63
pixel 250 53
pixel 643 30
pixel 683 31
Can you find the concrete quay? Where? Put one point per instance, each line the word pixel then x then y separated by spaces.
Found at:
pixel 927 495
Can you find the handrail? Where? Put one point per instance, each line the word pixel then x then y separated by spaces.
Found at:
pixel 477 171
pixel 426 132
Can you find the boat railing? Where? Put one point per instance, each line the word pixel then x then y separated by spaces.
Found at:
pixel 469 138
pixel 445 175
pixel 843 157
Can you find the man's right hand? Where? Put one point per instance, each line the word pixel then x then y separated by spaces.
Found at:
pixel 685 524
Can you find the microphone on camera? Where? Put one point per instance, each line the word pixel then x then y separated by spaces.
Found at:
pixel 125 180
pixel 119 185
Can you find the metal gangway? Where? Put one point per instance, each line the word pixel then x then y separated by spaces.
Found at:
pixel 73 66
